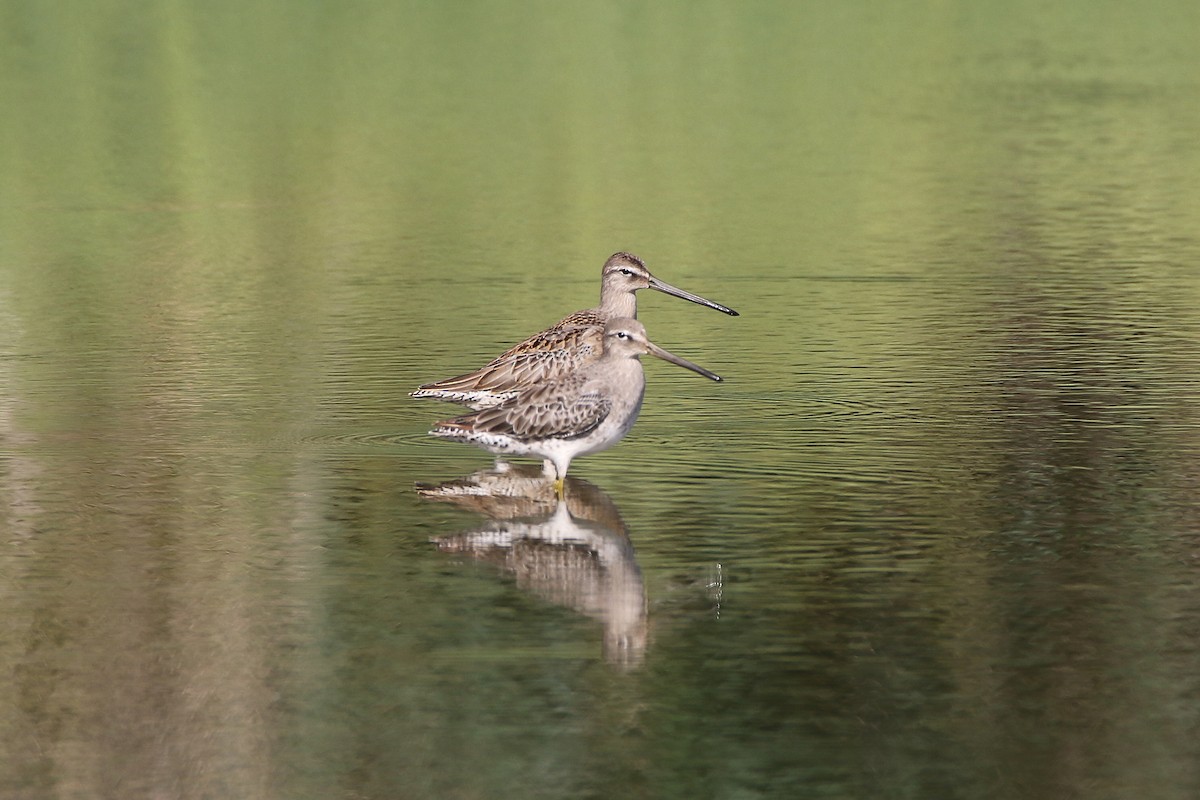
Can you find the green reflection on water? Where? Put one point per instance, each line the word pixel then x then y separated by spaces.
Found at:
pixel 933 538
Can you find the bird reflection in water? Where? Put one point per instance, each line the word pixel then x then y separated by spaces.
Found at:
pixel 574 552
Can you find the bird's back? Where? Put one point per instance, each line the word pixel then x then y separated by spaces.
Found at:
pixel 549 355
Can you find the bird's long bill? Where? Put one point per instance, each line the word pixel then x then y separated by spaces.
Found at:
pixel 667 288
pixel 683 362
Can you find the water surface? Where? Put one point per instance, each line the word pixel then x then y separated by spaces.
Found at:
pixel 935 536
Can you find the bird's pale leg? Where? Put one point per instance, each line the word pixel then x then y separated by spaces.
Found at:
pixel 560 479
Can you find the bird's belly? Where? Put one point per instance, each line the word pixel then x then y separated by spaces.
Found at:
pixel 612 430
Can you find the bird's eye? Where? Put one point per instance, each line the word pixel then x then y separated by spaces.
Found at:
pixel 622 335
pixel 628 272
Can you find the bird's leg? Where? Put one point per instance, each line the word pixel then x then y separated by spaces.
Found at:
pixel 551 471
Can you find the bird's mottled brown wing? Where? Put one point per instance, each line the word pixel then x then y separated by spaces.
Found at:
pixel 581 329
pixel 564 409
pixel 588 318
pixel 546 356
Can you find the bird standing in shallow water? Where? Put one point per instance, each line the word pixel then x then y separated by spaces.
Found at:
pixel 585 412
pixel 564 348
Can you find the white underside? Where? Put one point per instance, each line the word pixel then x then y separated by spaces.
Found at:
pixel 560 452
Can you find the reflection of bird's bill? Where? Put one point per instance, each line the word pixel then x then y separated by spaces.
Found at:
pixel 675 291
pixel 683 362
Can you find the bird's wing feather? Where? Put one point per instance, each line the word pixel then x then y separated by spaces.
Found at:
pixel 564 409
pixel 543 357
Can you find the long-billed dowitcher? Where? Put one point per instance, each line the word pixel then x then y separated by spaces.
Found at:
pixel 585 412
pixel 562 349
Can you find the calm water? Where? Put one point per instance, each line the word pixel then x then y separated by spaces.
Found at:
pixel 936 537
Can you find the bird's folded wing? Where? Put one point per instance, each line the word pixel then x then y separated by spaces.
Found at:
pixel 563 410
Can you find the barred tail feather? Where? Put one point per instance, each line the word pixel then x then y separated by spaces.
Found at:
pixel 475 399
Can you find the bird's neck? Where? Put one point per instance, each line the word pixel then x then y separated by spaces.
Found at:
pixel 624 370
pixel 616 303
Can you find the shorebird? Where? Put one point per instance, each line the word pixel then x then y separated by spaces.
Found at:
pixel 585 412
pixel 562 349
